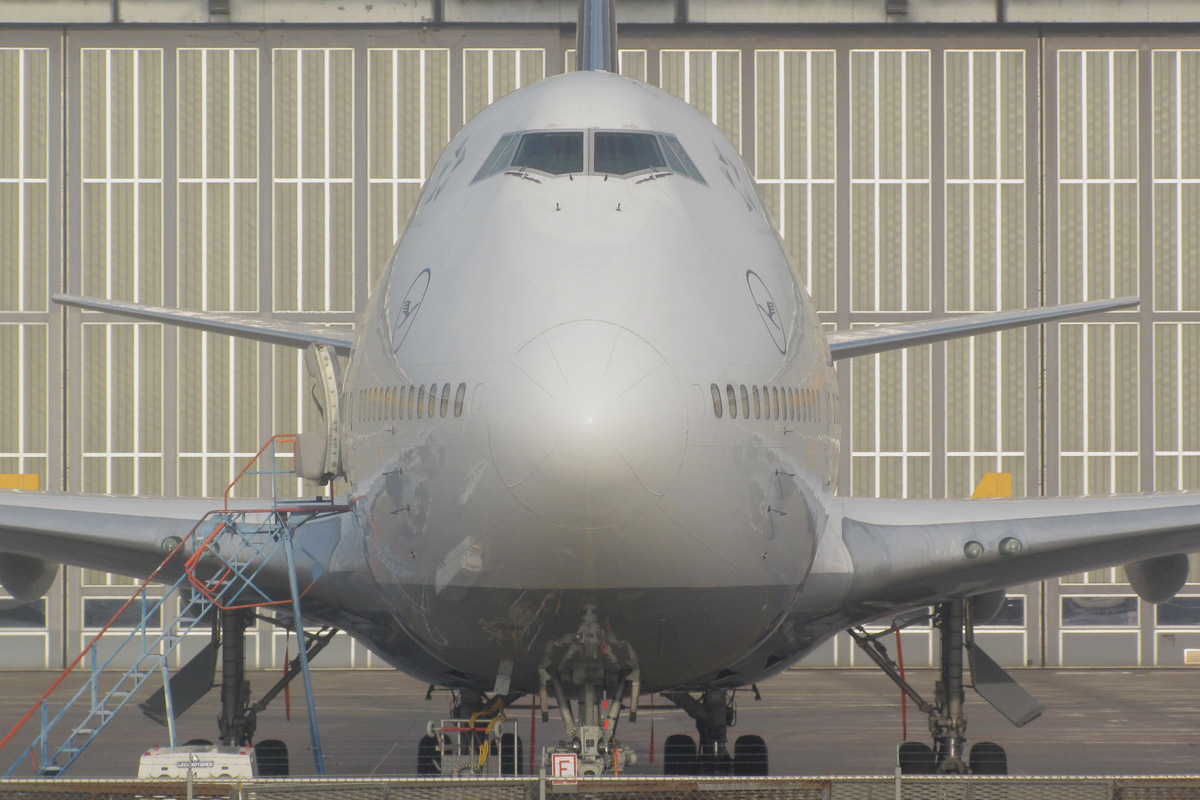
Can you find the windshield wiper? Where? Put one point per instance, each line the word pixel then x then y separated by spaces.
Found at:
pixel 655 175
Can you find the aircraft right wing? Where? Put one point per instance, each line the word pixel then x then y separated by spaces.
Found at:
pixel 909 553
pixel 291 334
pixel 893 336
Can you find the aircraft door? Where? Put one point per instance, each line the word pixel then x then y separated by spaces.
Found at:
pixel 319 453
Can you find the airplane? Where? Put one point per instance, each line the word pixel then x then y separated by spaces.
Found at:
pixel 589 430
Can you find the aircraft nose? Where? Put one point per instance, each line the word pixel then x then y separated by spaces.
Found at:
pixel 588 425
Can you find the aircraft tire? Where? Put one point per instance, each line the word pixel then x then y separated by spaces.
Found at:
pixel 916 758
pixel 512 754
pixel 428 756
pixel 679 755
pixel 750 756
pixel 272 757
pixel 988 758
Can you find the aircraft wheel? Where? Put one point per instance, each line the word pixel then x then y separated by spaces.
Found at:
pixel 272 757
pixel 428 756
pixel 512 754
pixel 988 758
pixel 750 756
pixel 679 755
pixel 916 758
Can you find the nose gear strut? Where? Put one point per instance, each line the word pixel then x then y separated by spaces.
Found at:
pixel 595 663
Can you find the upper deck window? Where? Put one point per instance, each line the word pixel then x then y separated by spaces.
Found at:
pixel 555 152
pixel 620 153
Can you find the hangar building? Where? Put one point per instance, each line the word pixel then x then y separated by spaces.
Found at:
pixel 920 157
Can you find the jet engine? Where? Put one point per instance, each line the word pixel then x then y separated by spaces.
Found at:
pixel 1157 580
pixel 25 578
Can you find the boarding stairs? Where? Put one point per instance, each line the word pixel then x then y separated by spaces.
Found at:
pixel 219 565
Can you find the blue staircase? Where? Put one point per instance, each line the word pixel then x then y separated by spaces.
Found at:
pixel 223 561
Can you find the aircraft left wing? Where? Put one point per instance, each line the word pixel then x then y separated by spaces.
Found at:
pixel 881 338
pixel 909 553
pixel 291 334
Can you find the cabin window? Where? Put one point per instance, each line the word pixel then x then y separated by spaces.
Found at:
pixel 421 402
pixel 745 403
pixel 757 407
pixel 732 401
pixel 626 152
pixel 445 399
pixel 775 401
pixel 555 152
pixel 432 400
pixel 459 396
pixel 716 396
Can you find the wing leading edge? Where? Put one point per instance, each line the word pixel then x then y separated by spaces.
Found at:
pixel 908 553
pixel 291 334
pixel 880 339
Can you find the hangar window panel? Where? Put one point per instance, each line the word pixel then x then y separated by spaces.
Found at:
pixel 1176 416
pixel 1010 615
pixel 218 411
pixel 711 81
pixel 122 138
pixel 408 125
pixel 630 63
pixel 985 415
pixel 1098 174
pixel 985 180
pixel 313 182
pixel 217 251
pixel 1098 408
pixel 22 616
pixel 1176 147
pixel 99 611
pixel 1100 611
pixel 890 180
pixel 890 409
pixel 491 73
pixel 1180 611
pixel 122 408
pixel 24 396
pixel 24 178
pixel 796 160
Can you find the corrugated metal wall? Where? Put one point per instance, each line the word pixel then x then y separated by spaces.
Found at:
pixel 910 174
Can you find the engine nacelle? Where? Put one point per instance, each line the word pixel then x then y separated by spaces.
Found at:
pixel 1157 580
pixel 26 578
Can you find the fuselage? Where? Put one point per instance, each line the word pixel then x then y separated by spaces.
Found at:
pixel 579 386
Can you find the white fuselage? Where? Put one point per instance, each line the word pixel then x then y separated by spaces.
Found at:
pixel 571 451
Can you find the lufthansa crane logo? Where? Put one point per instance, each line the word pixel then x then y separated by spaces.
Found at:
pixel 767 310
pixel 403 320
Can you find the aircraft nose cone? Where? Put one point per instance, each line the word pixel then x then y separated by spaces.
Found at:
pixel 588 425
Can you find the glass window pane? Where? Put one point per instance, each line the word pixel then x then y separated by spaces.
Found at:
pixel 1179 611
pixel 557 153
pixel 97 611
pixel 1011 614
pixel 15 614
pixel 1099 612
pixel 624 153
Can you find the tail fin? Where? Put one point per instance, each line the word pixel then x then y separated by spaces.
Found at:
pixel 596 36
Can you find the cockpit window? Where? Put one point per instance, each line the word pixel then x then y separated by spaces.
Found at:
pixel 677 158
pixel 620 153
pixel 500 158
pixel 623 152
pixel 555 152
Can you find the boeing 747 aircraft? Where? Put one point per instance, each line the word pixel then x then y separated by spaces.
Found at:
pixel 589 425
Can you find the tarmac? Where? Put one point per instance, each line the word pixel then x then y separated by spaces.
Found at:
pixel 815 722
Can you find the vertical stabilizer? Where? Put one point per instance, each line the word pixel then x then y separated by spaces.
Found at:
pixel 596 36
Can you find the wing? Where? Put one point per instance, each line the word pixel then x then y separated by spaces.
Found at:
pixel 292 334
pixel 114 534
pixel 864 341
pixel 909 553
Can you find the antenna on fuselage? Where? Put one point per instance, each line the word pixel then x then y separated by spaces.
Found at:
pixel 596 36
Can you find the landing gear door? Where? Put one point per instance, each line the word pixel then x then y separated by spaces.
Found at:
pixel 319 452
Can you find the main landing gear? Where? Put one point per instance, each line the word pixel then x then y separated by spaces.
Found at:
pixel 947 717
pixel 715 712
